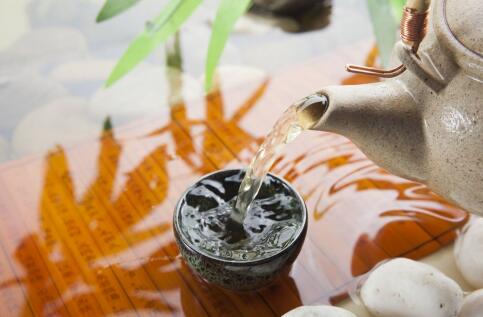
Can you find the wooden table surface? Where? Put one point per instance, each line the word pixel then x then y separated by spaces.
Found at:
pixel 87 230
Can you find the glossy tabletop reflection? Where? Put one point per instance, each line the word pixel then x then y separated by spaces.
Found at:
pixel 87 229
pixel 86 221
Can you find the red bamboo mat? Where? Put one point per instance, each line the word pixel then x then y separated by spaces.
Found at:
pixel 87 230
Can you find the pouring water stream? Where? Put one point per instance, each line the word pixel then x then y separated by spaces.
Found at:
pixel 298 117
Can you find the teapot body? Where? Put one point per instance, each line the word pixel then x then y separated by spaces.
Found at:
pixel 446 81
pixel 427 123
pixel 452 129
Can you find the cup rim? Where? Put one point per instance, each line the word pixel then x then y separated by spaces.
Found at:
pixel 189 246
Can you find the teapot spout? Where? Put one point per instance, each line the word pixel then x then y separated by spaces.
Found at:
pixel 382 119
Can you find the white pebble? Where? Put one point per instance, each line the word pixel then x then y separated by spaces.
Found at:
pixel 43 46
pixel 472 305
pixel 22 92
pixel 406 288
pixel 468 253
pixel 319 311
pixel 230 77
pixel 61 122
pixel 143 92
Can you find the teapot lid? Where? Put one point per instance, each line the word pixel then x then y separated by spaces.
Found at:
pixel 465 21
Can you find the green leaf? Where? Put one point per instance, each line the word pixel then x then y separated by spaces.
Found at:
pixel 114 7
pixel 384 26
pixel 166 24
pixel 228 13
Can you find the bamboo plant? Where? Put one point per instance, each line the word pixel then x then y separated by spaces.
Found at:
pixel 385 15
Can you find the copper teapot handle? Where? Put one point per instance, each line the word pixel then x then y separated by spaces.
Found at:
pixel 412 30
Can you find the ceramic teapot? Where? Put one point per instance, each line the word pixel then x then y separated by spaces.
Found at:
pixel 425 123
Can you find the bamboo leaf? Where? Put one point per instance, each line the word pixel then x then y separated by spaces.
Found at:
pixel 174 14
pixel 384 26
pixel 226 16
pixel 114 7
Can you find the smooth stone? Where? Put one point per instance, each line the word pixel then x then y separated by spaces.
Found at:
pixel 144 92
pixel 406 288
pixel 116 32
pixel 228 77
pixel 42 47
pixel 83 70
pixel 472 305
pixel 61 122
pixel 83 77
pixel 277 53
pixel 468 252
pixel 318 311
pixel 13 15
pixel 23 92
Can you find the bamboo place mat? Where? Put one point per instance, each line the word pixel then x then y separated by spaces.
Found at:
pixel 87 230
